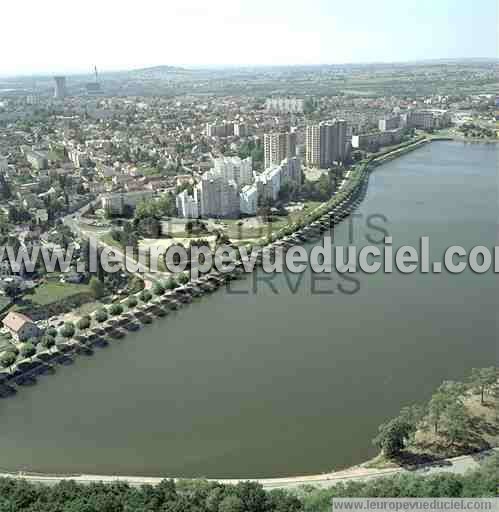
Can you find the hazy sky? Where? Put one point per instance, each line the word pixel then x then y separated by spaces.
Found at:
pixel 64 36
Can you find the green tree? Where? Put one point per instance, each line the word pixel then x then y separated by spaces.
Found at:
pixel 7 359
pixel 183 278
pixel 158 289
pixel 27 349
pixel 145 296
pixel 137 284
pixel 101 315
pixel 392 436
pixel 47 341
pixel 52 331
pixel 116 309
pixel 455 423
pixel 132 302
pixel 68 330
pixel 171 284
pixel 482 380
pixel 231 504
pixel 96 288
pixel 84 323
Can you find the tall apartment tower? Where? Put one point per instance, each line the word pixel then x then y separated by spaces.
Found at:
pixel 60 91
pixel 278 146
pixel 326 143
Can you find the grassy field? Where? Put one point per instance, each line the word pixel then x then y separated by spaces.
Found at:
pixel 251 230
pixel 50 292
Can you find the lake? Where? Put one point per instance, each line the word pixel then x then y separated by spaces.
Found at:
pixel 250 383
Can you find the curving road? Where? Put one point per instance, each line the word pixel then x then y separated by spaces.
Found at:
pixel 457 465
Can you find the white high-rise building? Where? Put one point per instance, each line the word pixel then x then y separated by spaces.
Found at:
pixel 60 91
pixel 248 199
pixel 187 205
pixel 235 169
pixel 218 197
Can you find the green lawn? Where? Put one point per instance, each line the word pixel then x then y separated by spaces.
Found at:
pixel 48 293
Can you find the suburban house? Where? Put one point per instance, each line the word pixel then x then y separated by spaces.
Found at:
pixel 20 326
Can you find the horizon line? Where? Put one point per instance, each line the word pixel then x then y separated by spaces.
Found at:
pixel 195 67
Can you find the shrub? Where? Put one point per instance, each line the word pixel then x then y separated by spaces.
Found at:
pixel 101 315
pixel 47 341
pixel 171 284
pixel 132 302
pixel 68 330
pixel 183 278
pixel 145 296
pixel 27 349
pixel 158 289
pixel 52 332
pixel 116 309
pixel 7 359
pixel 84 323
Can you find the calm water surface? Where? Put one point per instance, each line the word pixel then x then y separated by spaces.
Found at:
pixel 259 384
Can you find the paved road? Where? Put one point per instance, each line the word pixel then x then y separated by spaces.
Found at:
pixel 457 465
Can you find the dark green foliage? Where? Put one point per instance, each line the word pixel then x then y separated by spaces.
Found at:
pixel 202 496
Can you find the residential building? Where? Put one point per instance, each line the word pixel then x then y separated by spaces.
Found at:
pixel 248 199
pixel 270 179
pixel 218 197
pixel 240 130
pixel 234 169
pixel 278 146
pixel 187 205
pixel 291 172
pixel 220 130
pixel 20 326
pixel 285 105
pixel 326 143
pixel 428 119
pixel 60 91
pixel 373 141
pixel 37 159
pixel 116 204
pixel 389 123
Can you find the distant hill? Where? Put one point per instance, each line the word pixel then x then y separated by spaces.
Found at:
pixel 155 73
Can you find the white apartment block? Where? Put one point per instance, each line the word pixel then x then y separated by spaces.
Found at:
pixel 270 180
pixel 234 169
pixel 187 205
pixel 285 105
pixel 248 199
pixel 218 197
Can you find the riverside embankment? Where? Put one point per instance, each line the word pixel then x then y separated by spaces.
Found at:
pixel 456 465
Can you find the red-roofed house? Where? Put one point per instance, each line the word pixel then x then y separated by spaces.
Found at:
pixel 20 326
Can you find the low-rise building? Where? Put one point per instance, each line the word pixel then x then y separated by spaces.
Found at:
pixel 20 326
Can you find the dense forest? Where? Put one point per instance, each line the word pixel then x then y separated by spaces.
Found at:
pixel 202 496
